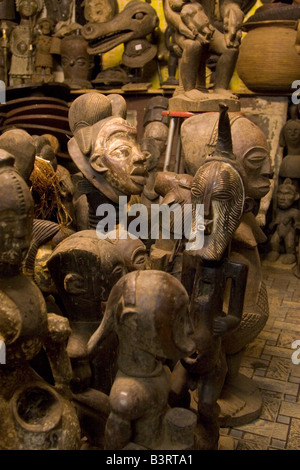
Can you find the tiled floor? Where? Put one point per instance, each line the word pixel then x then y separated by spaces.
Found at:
pixel 268 361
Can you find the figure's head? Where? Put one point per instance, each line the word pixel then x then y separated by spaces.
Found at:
pixel 150 309
pixel 286 194
pixel 249 145
pixel 84 269
pixel 98 11
pixel 117 156
pixel 75 59
pixel 28 8
pixel 45 25
pixel 45 150
pixel 22 146
pixel 16 216
pixel 290 134
pixel 133 250
pixel 219 186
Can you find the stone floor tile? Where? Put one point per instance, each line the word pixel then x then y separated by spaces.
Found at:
pixel 279 368
pixel 290 398
pixel 255 348
pixel 271 405
pixel 294 435
pixel 253 442
pixel 276 443
pixel 277 351
pixel 283 419
pixel 290 409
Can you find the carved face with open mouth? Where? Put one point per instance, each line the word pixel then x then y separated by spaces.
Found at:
pixel 136 21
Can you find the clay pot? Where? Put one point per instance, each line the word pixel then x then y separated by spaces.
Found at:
pixel 268 59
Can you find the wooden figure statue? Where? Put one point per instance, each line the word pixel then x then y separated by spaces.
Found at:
pixel 84 270
pixel 218 185
pixel 252 151
pixel 197 37
pixel 287 217
pixel 75 61
pixel 22 40
pixel 151 324
pixel 34 415
pixel 290 140
pixel 46 46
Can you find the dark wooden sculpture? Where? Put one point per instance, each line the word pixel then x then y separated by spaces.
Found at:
pixel 21 145
pixel 290 140
pixel 287 217
pixel 46 46
pixel 34 415
pixel 98 11
pixel 22 41
pixel 156 127
pixel 196 37
pixel 135 22
pixel 84 270
pixel 151 324
pixel 251 149
pixel 105 150
pixel 59 10
pixel 218 185
pixel 75 61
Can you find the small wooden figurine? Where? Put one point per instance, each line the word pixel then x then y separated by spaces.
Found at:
pixel 286 219
pixel 151 324
pixel 22 40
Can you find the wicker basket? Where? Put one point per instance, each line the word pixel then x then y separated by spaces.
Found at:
pixel 269 58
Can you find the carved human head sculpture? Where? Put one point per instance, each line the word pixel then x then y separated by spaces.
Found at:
pixel 84 269
pixel 286 194
pixel 149 310
pixel 98 11
pixel 28 8
pixel 75 61
pixel 290 136
pixel 133 250
pixel 59 10
pixel 199 134
pixel 219 186
pixel 105 148
pixel 22 146
pixel 16 217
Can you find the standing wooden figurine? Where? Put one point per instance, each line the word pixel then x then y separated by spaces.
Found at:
pixel 22 41
pixel 46 46
pixel 151 324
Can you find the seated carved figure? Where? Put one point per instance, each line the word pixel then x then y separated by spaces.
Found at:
pixel 287 219
pixel 34 415
pixel 189 19
pixel 151 324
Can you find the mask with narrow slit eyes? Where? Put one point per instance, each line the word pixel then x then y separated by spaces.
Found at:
pixel 218 186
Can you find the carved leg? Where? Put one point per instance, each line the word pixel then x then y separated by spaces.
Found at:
pixel 289 243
